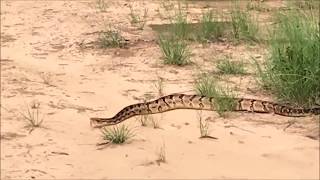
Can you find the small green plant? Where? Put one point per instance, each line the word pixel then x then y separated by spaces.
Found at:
pixel 111 39
pixel 180 28
pixel 143 120
pixel 159 85
pixel 305 4
pixel 101 5
pixel 224 99
pixel 136 19
pixel 117 134
pixel 293 70
pixel 161 155
pixel 175 51
pixel 210 30
pixel 33 116
pixel 204 126
pixel 229 67
pixel 155 123
pixel 243 27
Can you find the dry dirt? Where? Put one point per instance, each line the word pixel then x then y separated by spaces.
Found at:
pixel 47 55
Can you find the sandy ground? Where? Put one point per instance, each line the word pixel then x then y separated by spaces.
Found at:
pixel 47 56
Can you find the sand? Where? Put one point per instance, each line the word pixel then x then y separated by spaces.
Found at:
pixel 47 55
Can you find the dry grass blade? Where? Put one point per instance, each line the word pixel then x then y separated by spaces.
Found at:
pixel 32 116
pixel 161 155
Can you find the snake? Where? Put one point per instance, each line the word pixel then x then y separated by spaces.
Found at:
pixel 199 102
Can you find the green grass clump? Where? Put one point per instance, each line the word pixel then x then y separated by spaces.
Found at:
pixel 111 39
pixel 305 4
pixel 117 134
pixel 175 51
pixel 180 28
pixel 203 126
pixel 243 27
pixel 210 30
pixel 293 70
pixel 223 97
pixel 230 67
pixel 138 20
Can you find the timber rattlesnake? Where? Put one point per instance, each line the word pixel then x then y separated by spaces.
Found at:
pixel 183 101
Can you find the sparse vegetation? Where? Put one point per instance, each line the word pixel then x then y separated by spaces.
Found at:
pixel 137 19
pixel 155 123
pixel 161 155
pixel 180 28
pixel 173 43
pixel 223 96
pixel 175 51
pixel 159 86
pixel 111 39
pixel 243 27
pixel 101 59
pixel 305 4
pixel 117 134
pixel 293 70
pixel 32 116
pixel 210 30
pixel 226 66
pixel 257 6
pixel 204 126
pixel 143 120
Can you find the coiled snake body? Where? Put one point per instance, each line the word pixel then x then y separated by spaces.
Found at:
pixel 183 101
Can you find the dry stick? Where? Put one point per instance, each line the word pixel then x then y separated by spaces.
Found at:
pixel 103 145
pixel 207 136
pixel 228 126
pixel 290 123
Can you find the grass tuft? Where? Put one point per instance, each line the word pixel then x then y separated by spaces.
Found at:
pixel 111 39
pixel 161 155
pixel 204 126
pixel 159 85
pixel 210 30
pixel 305 4
pixel 180 28
pixel 223 97
pixel 155 123
pixel 138 20
pixel 175 51
pixel 32 116
pixel 143 120
pixel 117 134
pixel 243 27
pixel 293 70
pixel 230 67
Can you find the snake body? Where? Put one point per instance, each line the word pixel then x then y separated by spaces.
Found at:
pixel 183 101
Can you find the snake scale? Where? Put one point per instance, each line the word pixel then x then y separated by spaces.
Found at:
pixel 183 101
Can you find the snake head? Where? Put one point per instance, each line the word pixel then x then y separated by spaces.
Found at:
pixel 100 122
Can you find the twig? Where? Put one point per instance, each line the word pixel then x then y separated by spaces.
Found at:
pixel 207 136
pixel 228 126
